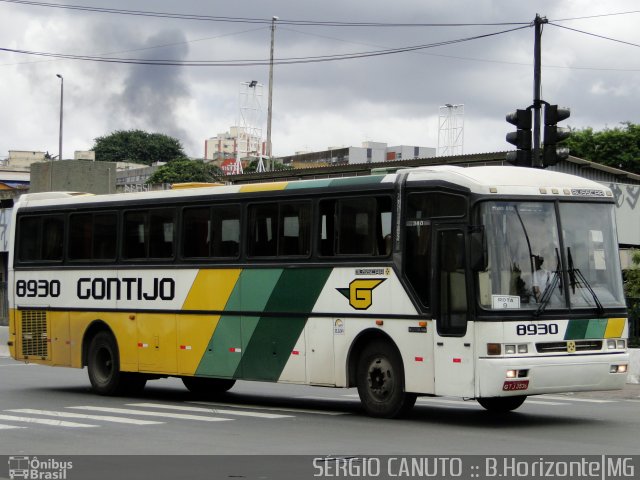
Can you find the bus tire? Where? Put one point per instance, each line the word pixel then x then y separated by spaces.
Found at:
pixel 380 381
pixel 103 365
pixel 209 387
pixel 501 404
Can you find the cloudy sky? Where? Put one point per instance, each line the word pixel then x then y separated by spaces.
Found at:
pixel 391 98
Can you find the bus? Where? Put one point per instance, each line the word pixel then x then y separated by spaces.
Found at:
pixel 485 283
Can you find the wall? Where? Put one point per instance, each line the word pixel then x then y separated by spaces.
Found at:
pixel 73 176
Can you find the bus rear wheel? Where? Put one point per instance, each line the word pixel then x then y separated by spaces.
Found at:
pixel 208 386
pixel 380 381
pixel 501 404
pixel 103 365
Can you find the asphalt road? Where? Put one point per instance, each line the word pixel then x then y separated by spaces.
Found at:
pixel 51 411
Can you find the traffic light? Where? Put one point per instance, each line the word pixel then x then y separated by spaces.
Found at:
pixel 521 138
pixel 553 134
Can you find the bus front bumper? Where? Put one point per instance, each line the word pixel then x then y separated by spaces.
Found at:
pixel 500 377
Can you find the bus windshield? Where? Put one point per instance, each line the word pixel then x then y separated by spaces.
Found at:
pixel 527 268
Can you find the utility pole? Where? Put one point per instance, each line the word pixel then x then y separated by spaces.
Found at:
pixel 537 87
pixel 269 108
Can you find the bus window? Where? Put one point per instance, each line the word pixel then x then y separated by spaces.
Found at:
pixel 92 236
pixel 41 238
pixel 161 233
pixel 135 235
pixel 196 224
pixel 295 229
pixel 226 231
pixel 453 283
pixel 263 221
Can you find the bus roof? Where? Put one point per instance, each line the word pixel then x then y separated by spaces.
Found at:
pixel 489 180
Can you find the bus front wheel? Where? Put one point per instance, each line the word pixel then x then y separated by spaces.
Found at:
pixel 208 386
pixel 501 404
pixel 380 381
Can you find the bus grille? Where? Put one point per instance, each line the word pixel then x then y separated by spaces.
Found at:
pixel 34 333
pixel 581 346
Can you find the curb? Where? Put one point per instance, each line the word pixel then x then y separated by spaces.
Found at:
pixel 4 338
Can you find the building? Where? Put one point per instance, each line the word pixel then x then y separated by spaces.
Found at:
pixel 369 152
pixel 238 142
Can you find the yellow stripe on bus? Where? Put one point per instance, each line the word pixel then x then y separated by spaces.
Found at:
pixel 263 187
pixel 211 289
pixel 615 327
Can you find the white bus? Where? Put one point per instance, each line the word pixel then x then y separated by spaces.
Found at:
pixel 487 283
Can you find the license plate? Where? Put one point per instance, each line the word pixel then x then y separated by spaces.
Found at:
pixel 515 385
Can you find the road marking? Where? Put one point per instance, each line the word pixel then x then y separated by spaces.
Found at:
pixel 45 421
pixel 105 418
pixel 217 411
pixel 458 403
pixel 129 411
pixel 333 399
pixel 571 399
pixel 9 427
pixel 539 402
pixel 275 409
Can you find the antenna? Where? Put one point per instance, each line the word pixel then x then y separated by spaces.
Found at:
pixel 249 131
pixel 451 130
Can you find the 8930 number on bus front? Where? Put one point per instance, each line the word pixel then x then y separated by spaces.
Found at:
pixel 537 329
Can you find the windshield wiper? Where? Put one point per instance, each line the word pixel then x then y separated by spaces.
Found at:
pixel 582 281
pixel 546 295
pixel 548 291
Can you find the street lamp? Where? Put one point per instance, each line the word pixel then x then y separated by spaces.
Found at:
pixel 61 101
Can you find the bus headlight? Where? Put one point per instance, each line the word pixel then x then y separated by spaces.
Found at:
pixel 523 348
pixel 618 369
pixel 509 349
pixel 621 344
pixel 611 344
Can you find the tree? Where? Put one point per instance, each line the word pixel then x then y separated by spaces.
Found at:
pixel 632 293
pixel 185 170
pixel 137 146
pixel 616 147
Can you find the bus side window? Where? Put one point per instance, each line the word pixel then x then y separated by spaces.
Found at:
pixel 52 237
pixel 135 235
pixel 355 226
pixel 263 228
pixel 161 232
pixel 195 232
pixel 327 228
pixel 29 240
pixel 226 231
pixel 295 228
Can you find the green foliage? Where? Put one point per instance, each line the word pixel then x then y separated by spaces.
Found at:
pixel 632 277
pixel 137 146
pixel 616 147
pixel 185 170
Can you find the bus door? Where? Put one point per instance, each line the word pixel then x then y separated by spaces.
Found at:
pixel 454 334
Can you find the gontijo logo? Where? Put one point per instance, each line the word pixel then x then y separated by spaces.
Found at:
pixel 360 292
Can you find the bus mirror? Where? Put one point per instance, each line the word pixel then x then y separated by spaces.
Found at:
pixel 478 257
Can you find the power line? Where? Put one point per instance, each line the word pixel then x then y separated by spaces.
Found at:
pixel 595 35
pixel 256 62
pixel 211 18
pixel 595 16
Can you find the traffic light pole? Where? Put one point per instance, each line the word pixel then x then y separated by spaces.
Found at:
pixel 537 81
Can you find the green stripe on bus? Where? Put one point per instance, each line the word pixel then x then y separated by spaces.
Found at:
pixel 274 338
pixel 596 328
pixel 576 329
pixel 583 329
pixel 251 293
pixel 309 184
pixel 363 180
